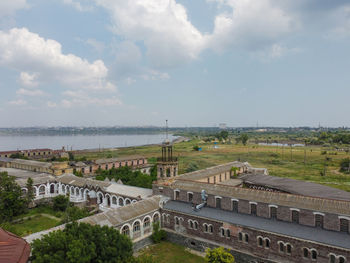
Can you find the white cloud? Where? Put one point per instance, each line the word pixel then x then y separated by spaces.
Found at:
pixel 163 27
pixel 28 52
pixel 9 7
pixel 251 24
pixel 18 102
pixel 29 80
pixel 82 99
pixel 77 5
pixel 51 104
pixel 95 44
pixel 30 92
pixel 341 16
pixel 273 52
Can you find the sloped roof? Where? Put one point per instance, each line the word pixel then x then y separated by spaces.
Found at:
pixel 127 190
pixel 290 200
pixel 32 163
pixel 80 181
pixel 118 159
pixel 117 216
pixel 210 171
pixel 13 249
pixel 296 186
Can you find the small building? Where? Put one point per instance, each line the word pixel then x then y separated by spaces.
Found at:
pixel 13 249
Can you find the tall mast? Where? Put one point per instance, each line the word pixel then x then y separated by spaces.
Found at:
pixel 166 129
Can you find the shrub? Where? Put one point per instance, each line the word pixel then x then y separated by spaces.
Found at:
pixel 158 234
pixel 60 203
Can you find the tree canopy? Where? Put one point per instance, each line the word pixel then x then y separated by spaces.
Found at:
pixel 83 243
pixel 219 255
pixel 12 202
pixel 128 177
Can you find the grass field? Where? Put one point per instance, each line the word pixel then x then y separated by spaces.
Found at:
pixel 283 162
pixel 166 252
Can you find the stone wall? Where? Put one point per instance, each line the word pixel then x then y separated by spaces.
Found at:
pixel 306 217
pixel 271 253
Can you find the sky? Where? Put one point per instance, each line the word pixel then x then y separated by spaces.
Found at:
pixel 195 63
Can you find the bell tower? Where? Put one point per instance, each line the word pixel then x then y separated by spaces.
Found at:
pixel 167 165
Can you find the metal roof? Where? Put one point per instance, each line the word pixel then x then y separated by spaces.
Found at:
pixel 309 233
pixel 200 174
pixel 289 200
pixel 296 187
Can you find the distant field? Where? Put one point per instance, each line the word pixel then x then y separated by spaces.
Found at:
pixel 166 252
pixel 279 161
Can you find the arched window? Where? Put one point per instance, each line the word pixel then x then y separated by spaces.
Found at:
pixel 190 223
pixel 42 190
pixel 195 225
pixel 190 197
pixel 228 233
pixel 222 231
pixel 114 200
pixel 305 253
pixel 205 228
pixel 156 218
pixel 246 238
pixel 341 259
pixel 344 225
pixel 289 249
pixel 126 231
pixel 281 247
pixel 313 254
pixel 331 258
pixel 240 236
pixel 295 216
pixel 235 206
pixel 211 229
pixel 273 212
pixel 267 243
pixel 136 227
pixel 253 209
pixel 52 189
pixel 260 241
pixel 177 221
pixel 147 222
pixel 218 202
pixel 121 202
pixel 319 220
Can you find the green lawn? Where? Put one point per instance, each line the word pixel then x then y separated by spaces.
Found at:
pixel 34 224
pixel 279 161
pixel 166 252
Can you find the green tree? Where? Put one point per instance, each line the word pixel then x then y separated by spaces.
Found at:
pixel 74 213
pixel 345 165
pixel 71 156
pixel 12 203
pixel 219 255
pixel 60 203
pixel 30 191
pixel 244 138
pixel 83 243
pixel 158 234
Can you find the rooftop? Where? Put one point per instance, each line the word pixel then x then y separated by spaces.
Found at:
pixel 200 174
pixel 327 237
pixel 117 216
pixel 296 187
pixel 290 200
pixel 31 163
pixel 118 159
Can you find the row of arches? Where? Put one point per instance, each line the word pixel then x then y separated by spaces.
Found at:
pixel 79 194
pixel 140 227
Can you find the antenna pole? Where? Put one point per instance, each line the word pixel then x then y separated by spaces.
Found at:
pixel 166 128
